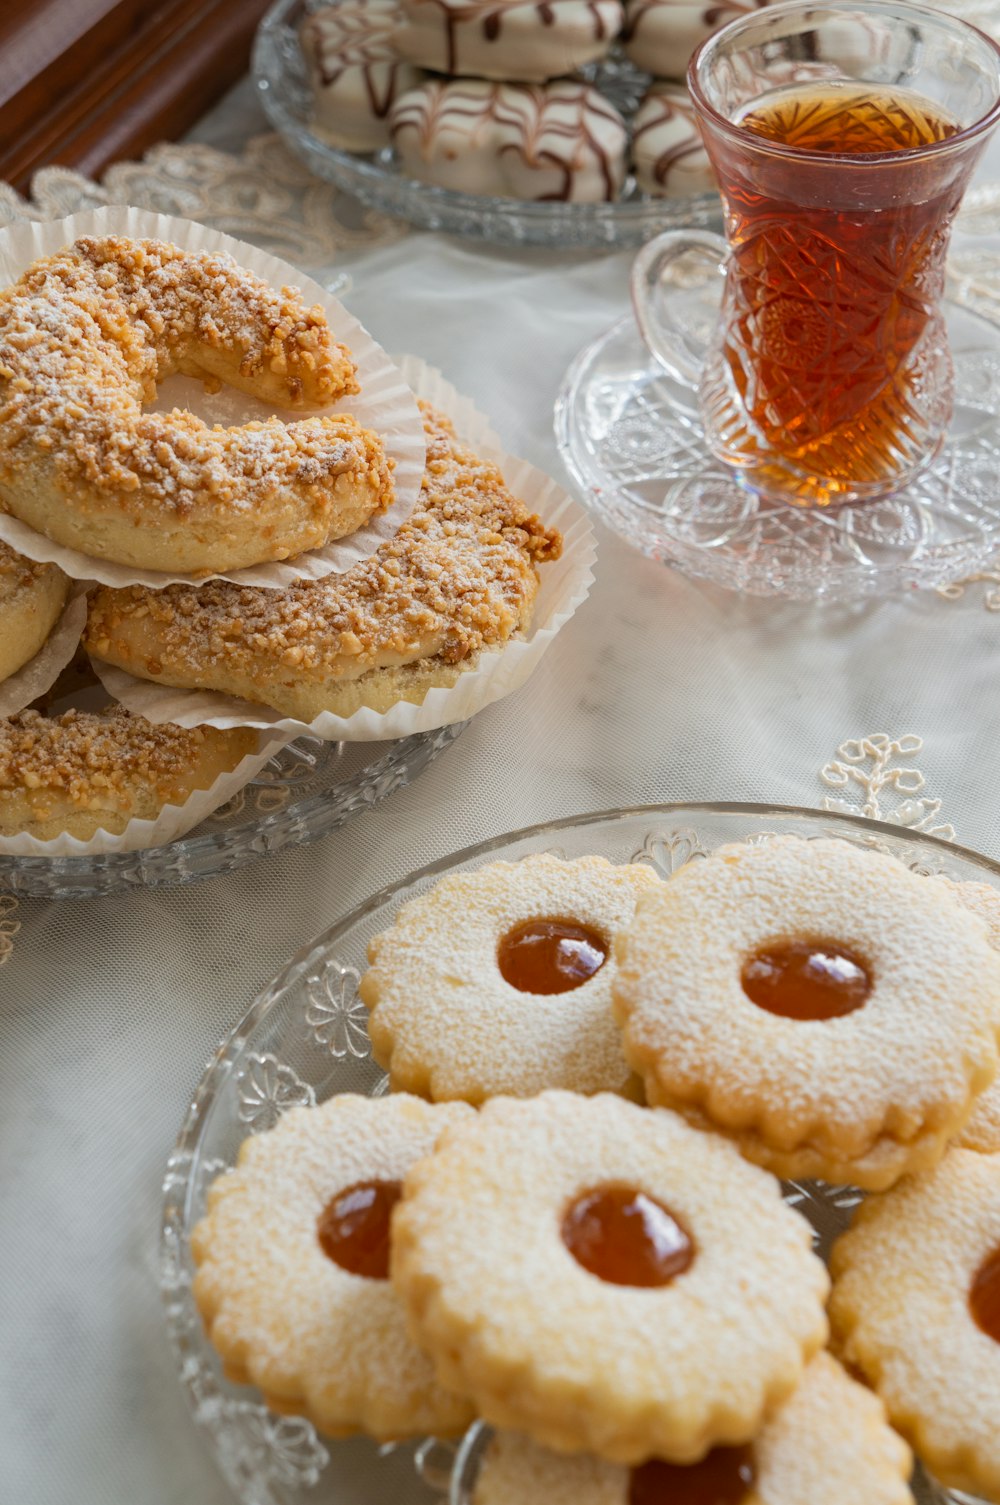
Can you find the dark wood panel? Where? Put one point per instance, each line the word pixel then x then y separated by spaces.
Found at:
pixel 88 82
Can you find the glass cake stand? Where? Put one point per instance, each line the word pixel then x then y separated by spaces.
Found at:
pixel 280 74
pixel 308 789
pixel 632 439
pixel 305 1039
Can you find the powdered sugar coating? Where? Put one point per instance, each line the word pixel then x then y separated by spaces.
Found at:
pixel 560 141
pixel 828 1444
pixel 356 72
pixel 982 1130
pixel 315 1338
pixel 525 40
pixel 542 1346
pixel 85 336
pixel 899 1072
pixel 459 576
pixel 445 1022
pixel 900 1311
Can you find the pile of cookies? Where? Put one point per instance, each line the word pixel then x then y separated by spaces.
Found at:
pixel 497 96
pixel 85 337
pixel 620 1289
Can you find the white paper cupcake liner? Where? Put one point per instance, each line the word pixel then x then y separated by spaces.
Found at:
pixel 384 403
pixel 565 583
pixel 42 671
pixel 173 820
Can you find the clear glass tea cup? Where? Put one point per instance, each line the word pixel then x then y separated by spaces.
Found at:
pixel 843 139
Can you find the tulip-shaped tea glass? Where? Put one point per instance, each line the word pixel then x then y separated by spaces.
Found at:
pixel 843 139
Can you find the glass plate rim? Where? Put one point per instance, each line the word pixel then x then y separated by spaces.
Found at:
pixel 368 179
pixel 271 832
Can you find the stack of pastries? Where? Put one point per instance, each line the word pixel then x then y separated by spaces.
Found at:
pixel 498 96
pixel 86 335
pixel 565 1218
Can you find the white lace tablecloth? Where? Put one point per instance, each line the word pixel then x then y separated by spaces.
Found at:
pixel 660 690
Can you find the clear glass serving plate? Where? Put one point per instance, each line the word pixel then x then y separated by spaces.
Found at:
pixel 279 71
pixel 305 1038
pixel 632 439
pixel 307 790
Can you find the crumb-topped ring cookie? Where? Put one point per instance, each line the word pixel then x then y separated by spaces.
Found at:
pixel 293 1260
pixel 84 772
pixel 916 1308
pixel 706 1302
pixel 85 336
pixel 457 580
pixel 499 981
pixel 31 598
pixel 828 1444
pixel 897 1034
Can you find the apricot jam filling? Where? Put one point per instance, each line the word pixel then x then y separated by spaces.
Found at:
pixel 626 1237
pixel 353 1227
pixel 806 979
pixel 550 956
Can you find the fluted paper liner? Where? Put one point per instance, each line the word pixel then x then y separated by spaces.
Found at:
pixel 384 403
pixel 42 671
pixel 564 585
pixel 173 820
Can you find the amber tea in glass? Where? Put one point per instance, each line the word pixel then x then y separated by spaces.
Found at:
pixel 843 141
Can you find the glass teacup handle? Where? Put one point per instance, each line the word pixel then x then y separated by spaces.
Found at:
pixel 665 275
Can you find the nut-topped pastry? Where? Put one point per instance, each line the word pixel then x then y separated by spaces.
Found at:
pixel 605 1278
pixel 293 1257
pixel 833 1013
pixel 828 1444
pixel 85 336
pixel 457 580
pixel 916 1308
pixel 499 981
pixel 32 597
pixel 84 772
pixel 526 41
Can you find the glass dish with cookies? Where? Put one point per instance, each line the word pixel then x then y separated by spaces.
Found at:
pixel 254 574
pixel 650 1157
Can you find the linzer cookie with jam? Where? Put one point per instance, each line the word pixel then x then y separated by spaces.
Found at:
pixel 800 1456
pixel 499 981
pixel 916 1308
pixel 982 1130
pixel 457 581
pixel 668 155
pixel 605 1278
pixel 356 72
pixel 293 1257
pixel 561 141
pixel 833 1013
pixel 527 41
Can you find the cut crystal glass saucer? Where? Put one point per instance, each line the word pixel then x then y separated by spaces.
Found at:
pixel 631 437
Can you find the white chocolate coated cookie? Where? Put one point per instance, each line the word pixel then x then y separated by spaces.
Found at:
pixel 660 35
pixel 32 597
pixel 527 41
pixel 319 1338
pixel 828 1444
pixel 902 1313
pixel 445 1020
pixel 561 141
pixel 356 72
pixel 668 154
pixel 669 1364
pixel 866 1096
